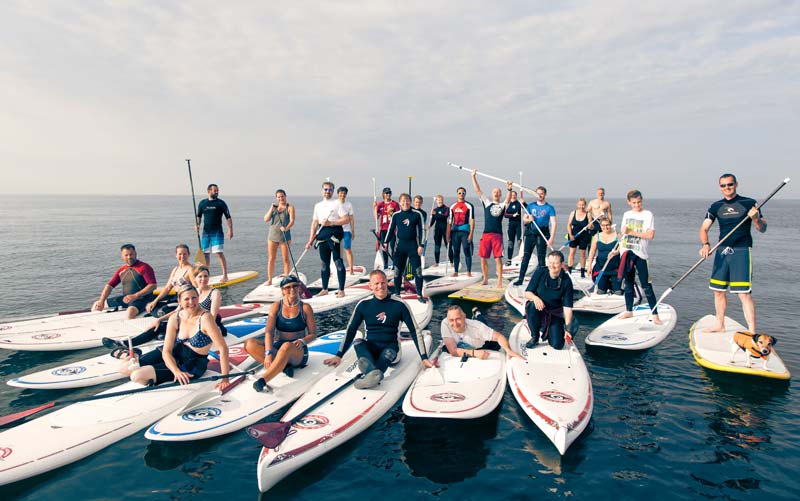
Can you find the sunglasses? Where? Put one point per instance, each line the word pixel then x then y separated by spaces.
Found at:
pixel 461 193
pixel 287 287
pixel 727 185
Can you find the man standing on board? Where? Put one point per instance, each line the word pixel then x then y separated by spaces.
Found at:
pixel 598 208
pixel 733 266
pixel 492 239
pixel 382 211
pixel 138 282
pixel 543 215
pixel 328 232
pixel 211 211
pixel 349 227
pixel 459 231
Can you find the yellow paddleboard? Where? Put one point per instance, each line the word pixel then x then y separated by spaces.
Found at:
pixel 714 350
pixel 233 278
pixel 489 293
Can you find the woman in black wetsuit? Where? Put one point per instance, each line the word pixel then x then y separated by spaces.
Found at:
pixel 549 306
pixel 290 327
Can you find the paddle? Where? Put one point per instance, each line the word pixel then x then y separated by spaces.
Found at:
pixel 608 260
pixel 711 251
pixel 270 435
pixel 304 292
pixel 200 256
pixel 216 393
pixel 11 418
pixel 574 237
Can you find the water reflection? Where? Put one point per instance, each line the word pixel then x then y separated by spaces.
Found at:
pixel 464 442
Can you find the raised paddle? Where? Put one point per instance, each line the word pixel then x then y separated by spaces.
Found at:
pixel 711 251
pixel 17 416
pixel 270 435
pixel 200 256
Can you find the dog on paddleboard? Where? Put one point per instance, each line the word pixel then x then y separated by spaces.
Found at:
pixel 754 346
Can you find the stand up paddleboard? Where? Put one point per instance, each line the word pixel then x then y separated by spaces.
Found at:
pixel 489 293
pixel 635 333
pixel 515 296
pixel 268 292
pixel 552 386
pixel 450 284
pixel 606 304
pixel 458 389
pixel 714 350
pixel 216 281
pixel 349 278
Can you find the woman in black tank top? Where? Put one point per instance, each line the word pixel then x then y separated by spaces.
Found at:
pixel 290 326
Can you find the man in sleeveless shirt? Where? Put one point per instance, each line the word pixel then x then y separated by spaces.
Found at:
pixel 138 283
pixel 732 261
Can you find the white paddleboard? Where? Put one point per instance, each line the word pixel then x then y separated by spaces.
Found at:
pixel 330 301
pixel 552 387
pixel 340 418
pixel 268 292
pixel 87 331
pixel 635 333
pixel 714 350
pixel 515 295
pixel 458 390
pixel 450 284
pixel 606 304
pixel 349 278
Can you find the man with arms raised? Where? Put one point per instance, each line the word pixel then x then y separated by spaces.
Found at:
pixel 381 315
pixel 471 338
pixel 492 238
pixel 597 208
pixel 211 211
pixel 732 263
pixel 138 282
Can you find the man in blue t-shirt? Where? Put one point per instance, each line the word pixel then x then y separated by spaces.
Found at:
pixel 732 261
pixel 540 227
pixel 211 211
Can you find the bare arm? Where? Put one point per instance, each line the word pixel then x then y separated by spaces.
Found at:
pixel 475 183
pixel 290 208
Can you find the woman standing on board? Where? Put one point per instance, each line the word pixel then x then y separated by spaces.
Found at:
pixel 280 218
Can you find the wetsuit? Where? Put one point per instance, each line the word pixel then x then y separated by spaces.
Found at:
pixel 439 218
pixel 382 319
pixel 580 241
pixel 541 217
pixel 405 231
pixel 733 261
pixel 461 214
pixel 513 212
pixel 609 278
pixel 329 240
pixel 557 295
pixel 382 210
pixel 187 359
pixel 133 279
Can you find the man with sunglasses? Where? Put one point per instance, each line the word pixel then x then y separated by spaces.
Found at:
pixel 327 232
pixel 459 231
pixel 382 212
pixel 732 263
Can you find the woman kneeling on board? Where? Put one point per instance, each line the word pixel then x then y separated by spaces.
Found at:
pixel 184 356
pixel 549 306
pixel 290 326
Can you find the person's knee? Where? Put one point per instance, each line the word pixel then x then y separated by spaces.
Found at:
pixel 254 348
pixel 142 375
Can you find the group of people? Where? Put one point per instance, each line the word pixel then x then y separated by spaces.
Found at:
pixel 620 255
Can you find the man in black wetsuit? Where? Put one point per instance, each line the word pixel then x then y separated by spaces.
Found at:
pixel 405 231
pixel 381 314
pixel 211 211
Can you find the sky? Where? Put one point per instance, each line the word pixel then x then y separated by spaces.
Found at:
pixel 112 97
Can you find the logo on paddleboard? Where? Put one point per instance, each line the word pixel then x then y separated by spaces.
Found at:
pixel 4 327
pixel 201 414
pixel 69 371
pixel 615 337
pixel 448 397
pixel 556 396
pixel 312 422
pixel 236 350
pixel 5 452
pixel 45 337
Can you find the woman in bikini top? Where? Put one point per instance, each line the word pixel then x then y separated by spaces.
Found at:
pixel 180 275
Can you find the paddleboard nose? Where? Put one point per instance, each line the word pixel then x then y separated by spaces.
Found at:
pixel 560 440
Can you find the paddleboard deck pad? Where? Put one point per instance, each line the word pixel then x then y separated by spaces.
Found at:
pixel 635 333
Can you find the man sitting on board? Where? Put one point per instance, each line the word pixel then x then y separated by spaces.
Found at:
pixel 465 337
pixel 138 283
pixel 549 307
pixel 381 314
pixel 733 263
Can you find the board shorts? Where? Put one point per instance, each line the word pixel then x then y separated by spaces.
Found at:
pixel 491 243
pixel 139 304
pixel 733 270
pixel 212 242
pixel 347 241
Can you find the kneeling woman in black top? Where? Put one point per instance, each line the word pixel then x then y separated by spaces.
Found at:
pixel 549 306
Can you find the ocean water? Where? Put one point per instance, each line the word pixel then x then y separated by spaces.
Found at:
pixel 663 427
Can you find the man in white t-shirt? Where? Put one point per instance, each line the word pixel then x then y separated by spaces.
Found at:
pixel 329 216
pixel 471 338
pixel 349 227
pixel 638 228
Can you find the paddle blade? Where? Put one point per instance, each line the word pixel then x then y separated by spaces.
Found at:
pixel 304 292
pixel 200 257
pixel 18 416
pixel 270 435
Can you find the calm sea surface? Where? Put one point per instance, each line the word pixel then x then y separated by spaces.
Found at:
pixel 663 427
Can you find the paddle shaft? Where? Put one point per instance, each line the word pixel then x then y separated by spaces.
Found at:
pixel 322 400
pixel 721 240
pixel 608 260
pixel 489 176
pixel 5 420
pixel 576 235
pixel 194 211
